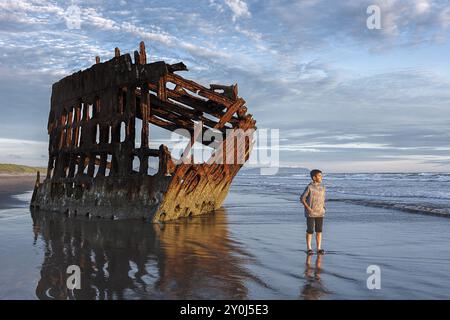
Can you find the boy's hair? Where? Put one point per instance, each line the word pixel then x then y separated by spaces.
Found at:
pixel 314 172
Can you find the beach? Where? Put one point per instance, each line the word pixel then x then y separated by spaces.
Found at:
pixel 11 185
pixel 252 248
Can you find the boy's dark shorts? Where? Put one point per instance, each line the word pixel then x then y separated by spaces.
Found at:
pixel 314 224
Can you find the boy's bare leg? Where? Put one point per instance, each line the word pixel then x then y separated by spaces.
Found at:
pixel 319 240
pixel 308 241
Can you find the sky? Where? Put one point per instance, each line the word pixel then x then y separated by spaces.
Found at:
pixel 345 98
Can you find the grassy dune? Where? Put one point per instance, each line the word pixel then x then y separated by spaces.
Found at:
pixel 16 169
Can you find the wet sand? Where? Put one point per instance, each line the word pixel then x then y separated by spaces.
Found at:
pixel 253 248
pixel 11 182
pixel 14 184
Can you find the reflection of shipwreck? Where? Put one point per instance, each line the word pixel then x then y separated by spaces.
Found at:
pixel 92 127
pixel 179 260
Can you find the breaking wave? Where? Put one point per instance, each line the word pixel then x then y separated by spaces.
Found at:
pixel 427 209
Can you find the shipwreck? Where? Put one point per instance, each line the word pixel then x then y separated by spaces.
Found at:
pixel 92 128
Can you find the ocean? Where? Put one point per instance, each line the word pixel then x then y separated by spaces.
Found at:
pixel 425 193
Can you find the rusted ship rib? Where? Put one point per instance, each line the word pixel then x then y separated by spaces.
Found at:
pixel 92 142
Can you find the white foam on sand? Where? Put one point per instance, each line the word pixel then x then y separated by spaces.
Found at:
pixel 25 197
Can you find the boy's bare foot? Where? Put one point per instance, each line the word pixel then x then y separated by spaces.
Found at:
pixel 320 251
pixel 310 251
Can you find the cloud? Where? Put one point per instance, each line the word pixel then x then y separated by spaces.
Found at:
pixel 92 21
pixel 315 24
pixel 146 35
pixel 91 17
pixel 31 7
pixel 239 9
pixel 422 6
pixel 214 4
pixel 248 33
pixel 444 17
pixel 28 151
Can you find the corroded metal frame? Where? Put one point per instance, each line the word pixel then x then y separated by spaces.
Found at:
pixel 92 141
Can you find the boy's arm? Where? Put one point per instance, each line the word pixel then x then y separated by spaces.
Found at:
pixel 303 198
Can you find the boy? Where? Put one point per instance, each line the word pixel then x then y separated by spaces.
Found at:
pixel 313 198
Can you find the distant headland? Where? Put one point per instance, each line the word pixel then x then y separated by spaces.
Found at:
pixel 9 169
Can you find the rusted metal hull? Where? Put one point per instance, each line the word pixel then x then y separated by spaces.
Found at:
pixel 92 142
pixel 204 188
pixel 112 197
pixel 192 190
